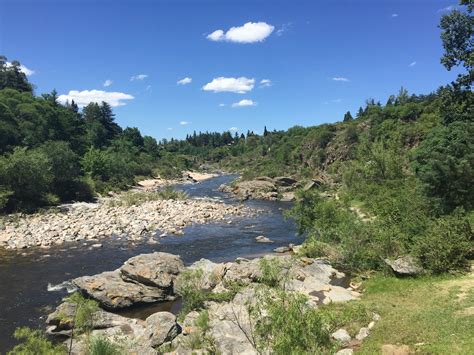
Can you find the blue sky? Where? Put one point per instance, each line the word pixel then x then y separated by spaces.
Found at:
pixel 145 47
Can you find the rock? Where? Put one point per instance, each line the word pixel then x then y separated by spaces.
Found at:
pixel 389 349
pixel 404 266
pixel 96 246
pixel 156 269
pixel 371 325
pixel 161 327
pixel 245 272
pixel 312 184
pixel 376 317
pixel 345 352
pixel 112 292
pixel 281 250
pixel 342 336
pixel 363 333
pixel 284 181
pixel 263 239
pixel 212 273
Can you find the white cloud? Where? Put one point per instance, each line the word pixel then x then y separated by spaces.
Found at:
pixel 139 77
pixel 340 78
pixel 184 81
pixel 394 15
pixel 169 128
pixel 82 98
pixel 108 82
pixel 264 83
pixel 24 69
pixel 412 64
pixel 184 123
pixel 221 105
pixel 237 85
pixel 250 32
pixel 285 27
pixel 233 129
pixel 244 103
pixel 336 101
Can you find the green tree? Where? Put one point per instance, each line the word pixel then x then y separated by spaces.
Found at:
pixel 12 76
pixel 348 117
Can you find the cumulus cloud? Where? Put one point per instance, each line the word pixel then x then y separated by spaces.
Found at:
pixel 138 77
pixel 250 32
pixel 244 103
pixel 184 81
pixel 264 83
pixel 184 123
pixel 412 64
pixel 340 78
pixel 82 98
pixel 233 129
pixel 108 82
pixel 237 85
pixel 23 69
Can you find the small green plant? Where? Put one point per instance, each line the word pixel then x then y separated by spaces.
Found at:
pixel 85 309
pixel 189 285
pixel 274 272
pixel 103 346
pixel 201 339
pixel 34 342
pixel 287 325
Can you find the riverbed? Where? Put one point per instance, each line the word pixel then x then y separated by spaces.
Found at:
pixel 29 278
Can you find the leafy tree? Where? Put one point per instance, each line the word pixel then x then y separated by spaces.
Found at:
pixel 444 161
pixel 134 136
pixel 11 76
pixel 458 41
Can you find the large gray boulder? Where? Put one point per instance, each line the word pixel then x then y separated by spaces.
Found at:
pixel 145 278
pixel 112 292
pixel 156 269
pixel 161 327
pixel 405 266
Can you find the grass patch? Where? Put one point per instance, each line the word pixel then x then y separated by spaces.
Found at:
pixel 427 314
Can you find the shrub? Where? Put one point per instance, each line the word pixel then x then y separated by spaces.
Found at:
pixel 103 346
pixel 189 285
pixel 446 244
pixel 287 325
pixel 34 342
pixel 85 310
pixel 274 272
pixel 27 174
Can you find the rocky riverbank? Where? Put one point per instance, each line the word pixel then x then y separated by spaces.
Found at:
pixel 106 218
pixel 156 277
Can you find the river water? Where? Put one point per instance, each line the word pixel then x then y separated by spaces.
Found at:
pixel 26 276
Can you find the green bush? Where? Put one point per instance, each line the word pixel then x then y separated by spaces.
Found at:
pixel 446 244
pixel 274 272
pixel 85 309
pixel 27 175
pixel 34 342
pixel 287 325
pixel 189 285
pixel 103 346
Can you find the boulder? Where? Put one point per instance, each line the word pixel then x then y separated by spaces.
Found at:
pixel 156 269
pixel 363 333
pixel 112 292
pixel 342 336
pixel 161 327
pixel 284 181
pixel 281 250
pixel 263 239
pixel 212 272
pixel 404 266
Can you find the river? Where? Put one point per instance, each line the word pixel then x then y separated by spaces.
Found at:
pixel 26 274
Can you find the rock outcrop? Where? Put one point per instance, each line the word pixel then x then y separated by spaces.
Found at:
pixel 146 278
pixel 263 188
pixel 405 266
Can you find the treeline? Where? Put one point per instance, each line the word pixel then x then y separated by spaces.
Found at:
pixel 52 153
